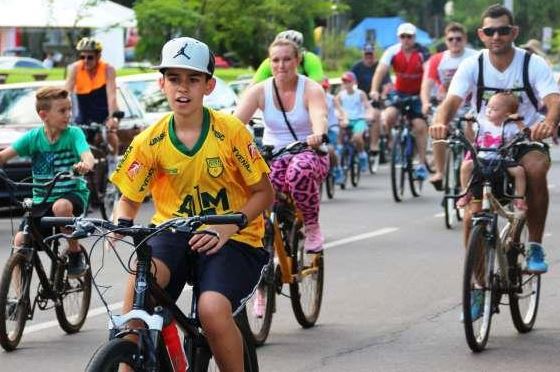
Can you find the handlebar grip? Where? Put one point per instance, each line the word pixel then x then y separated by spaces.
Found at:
pixel 238 219
pixel 57 221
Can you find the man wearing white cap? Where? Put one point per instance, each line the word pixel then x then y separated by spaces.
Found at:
pixel 407 62
pixel 197 161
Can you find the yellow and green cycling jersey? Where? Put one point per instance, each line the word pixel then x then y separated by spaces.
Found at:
pixel 213 177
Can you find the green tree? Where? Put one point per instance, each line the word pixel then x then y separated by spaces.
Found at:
pixel 245 27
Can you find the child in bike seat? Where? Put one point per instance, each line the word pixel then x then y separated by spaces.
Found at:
pixel 498 127
pixel 197 161
pixel 353 105
pixel 56 147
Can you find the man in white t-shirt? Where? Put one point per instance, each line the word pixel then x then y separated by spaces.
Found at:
pixel 441 68
pixel 503 66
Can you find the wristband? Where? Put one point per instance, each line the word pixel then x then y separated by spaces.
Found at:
pixel 125 222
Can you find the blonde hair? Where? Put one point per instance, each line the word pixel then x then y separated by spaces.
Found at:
pixel 509 100
pixel 46 95
pixel 285 42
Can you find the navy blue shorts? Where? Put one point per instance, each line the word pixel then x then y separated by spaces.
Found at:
pixel 45 210
pixel 234 271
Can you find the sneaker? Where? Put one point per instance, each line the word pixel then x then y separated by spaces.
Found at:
pixel 76 264
pixel 363 161
pixel 421 172
pixel 259 304
pixel 338 175
pixel 313 239
pixel 535 259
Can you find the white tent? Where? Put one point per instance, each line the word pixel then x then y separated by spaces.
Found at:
pixel 107 19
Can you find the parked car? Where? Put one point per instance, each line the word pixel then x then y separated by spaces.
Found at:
pixel 18 115
pixel 146 89
pixel 11 62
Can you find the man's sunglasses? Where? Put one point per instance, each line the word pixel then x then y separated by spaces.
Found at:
pixel 406 36
pixel 456 38
pixel 88 57
pixel 502 31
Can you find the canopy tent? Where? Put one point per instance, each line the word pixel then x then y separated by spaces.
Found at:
pixel 107 20
pixel 65 14
pixel 381 31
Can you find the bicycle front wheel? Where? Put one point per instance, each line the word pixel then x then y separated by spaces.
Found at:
pixel 260 307
pixel 75 294
pixel 398 169
pixel 355 169
pixel 449 182
pixel 109 199
pixel 14 300
pixel 330 185
pixel 306 289
pixel 478 284
pixel 525 287
pixel 114 353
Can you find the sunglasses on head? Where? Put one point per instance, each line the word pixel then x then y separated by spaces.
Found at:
pixel 502 31
pixel 456 38
pixel 88 57
pixel 406 36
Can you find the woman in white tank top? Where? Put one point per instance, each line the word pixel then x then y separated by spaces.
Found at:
pixel 305 104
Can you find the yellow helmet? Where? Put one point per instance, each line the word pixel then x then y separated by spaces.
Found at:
pixel 89 44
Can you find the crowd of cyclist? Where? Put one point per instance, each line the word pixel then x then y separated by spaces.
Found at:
pixel 291 91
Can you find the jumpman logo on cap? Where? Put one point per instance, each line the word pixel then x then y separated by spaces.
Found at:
pixel 182 52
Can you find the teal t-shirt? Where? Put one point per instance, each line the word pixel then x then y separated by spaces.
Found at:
pixel 47 159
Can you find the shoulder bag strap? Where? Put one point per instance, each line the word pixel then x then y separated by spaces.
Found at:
pixel 283 111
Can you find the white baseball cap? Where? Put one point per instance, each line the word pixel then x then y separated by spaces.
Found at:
pixel 187 53
pixel 406 29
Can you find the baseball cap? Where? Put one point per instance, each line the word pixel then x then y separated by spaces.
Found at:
pixel 368 48
pixel 406 29
pixel 348 76
pixel 187 53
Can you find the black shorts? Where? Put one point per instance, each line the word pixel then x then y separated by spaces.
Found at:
pixel 234 271
pixel 45 210
pixel 523 150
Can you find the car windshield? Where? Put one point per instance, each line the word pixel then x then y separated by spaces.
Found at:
pixel 153 100
pixel 17 106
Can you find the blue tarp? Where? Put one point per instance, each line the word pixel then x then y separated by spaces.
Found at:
pixel 383 30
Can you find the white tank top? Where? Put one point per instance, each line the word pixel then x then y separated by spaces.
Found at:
pixel 352 104
pixel 276 131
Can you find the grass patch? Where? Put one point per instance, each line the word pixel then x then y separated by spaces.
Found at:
pixel 21 75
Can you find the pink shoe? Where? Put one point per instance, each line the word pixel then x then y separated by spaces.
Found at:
pixel 313 239
pixel 464 201
pixel 520 204
pixel 259 304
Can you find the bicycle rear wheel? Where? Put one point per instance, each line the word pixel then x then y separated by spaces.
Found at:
pixel 329 185
pixel 478 284
pixel 306 290
pixel 398 169
pixel 525 287
pixel 75 294
pixel 415 183
pixel 14 300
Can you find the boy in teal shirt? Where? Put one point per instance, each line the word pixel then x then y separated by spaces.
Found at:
pixel 55 147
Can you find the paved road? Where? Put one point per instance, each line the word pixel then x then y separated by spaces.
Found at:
pixel 391 301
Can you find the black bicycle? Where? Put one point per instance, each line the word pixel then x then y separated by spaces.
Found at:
pixel 495 258
pixel 70 297
pixel 152 305
pixel 103 194
pixel 403 152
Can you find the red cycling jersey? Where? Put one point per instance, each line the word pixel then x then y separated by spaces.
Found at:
pixel 408 69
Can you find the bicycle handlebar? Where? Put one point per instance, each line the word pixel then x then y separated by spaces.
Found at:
pixel 295 147
pixel 84 227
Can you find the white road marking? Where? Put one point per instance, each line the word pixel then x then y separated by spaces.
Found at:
pixel 372 234
pixel 101 310
pixel 439 215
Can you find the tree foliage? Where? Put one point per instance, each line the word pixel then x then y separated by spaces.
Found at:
pixel 245 27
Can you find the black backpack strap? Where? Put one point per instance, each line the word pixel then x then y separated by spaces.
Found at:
pixel 479 84
pixel 526 85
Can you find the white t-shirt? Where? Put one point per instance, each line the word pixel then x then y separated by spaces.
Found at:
pixel 490 135
pixel 540 78
pixel 352 104
pixel 443 67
